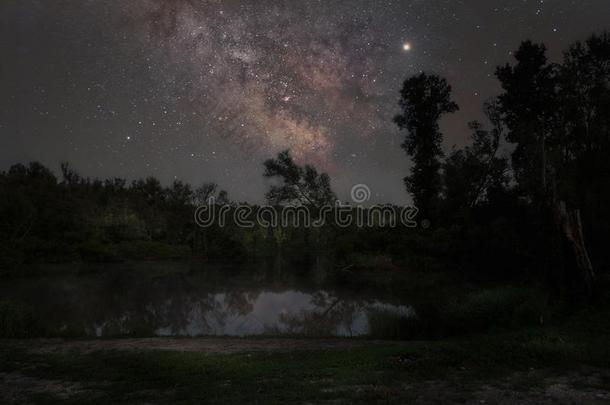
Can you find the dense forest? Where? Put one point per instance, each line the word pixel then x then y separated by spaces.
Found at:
pixel 526 199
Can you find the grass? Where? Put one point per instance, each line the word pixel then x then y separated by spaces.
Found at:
pixel 374 373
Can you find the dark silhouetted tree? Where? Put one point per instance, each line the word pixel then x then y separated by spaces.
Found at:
pixel 209 192
pixel 557 116
pixel 529 107
pixel 297 185
pixel 476 173
pixel 582 159
pixel 424 100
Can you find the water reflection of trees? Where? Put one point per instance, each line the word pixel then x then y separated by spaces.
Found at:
pixel 330 315
pixel 124 302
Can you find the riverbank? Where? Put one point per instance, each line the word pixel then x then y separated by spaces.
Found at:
pixel 541 366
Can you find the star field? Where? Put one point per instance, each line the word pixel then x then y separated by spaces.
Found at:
pixel 206 90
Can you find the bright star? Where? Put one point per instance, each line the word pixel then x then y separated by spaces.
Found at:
pixel 406 47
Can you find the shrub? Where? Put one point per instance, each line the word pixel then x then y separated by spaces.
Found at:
pixel 97 251
pixel 494 307
pixel 146 249
pixel 18 320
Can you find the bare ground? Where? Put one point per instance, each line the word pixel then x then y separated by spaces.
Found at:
pixel 582 385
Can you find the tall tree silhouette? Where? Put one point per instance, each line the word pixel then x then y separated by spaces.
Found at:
pixel 476 173
pixel 585 137
pixel 424 100
pixel 557 117
pixel 529 106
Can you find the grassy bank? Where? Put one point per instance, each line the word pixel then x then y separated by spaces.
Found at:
pixel 514 366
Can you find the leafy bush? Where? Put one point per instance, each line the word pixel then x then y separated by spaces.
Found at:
pixel 146 249
pixel 97 251
pixel 472 312
pixel 390 324
pixel 492 308
pixel 17 320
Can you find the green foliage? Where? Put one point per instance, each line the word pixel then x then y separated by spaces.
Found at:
pixel 145 249
pixel 390 325
pixel 94 250
pixel 502 306
pixel 118 224
pixel 78 219
pixel 460 312
pixel 18 320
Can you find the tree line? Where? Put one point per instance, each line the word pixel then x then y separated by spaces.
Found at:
pixel 556 118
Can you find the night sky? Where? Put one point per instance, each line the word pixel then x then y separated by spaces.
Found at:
pixel 206 90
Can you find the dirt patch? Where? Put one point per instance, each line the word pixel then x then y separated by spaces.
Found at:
pixel 550 390
pixel 582 386
pixel 16 387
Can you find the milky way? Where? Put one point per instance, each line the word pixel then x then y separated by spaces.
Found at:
pixel 206 90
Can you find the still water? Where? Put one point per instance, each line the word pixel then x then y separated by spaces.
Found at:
pixel 186 299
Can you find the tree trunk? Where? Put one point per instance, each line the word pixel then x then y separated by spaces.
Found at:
pixel 570 226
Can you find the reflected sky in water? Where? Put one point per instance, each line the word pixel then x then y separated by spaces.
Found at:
pixel 288 312
pixel 179 300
